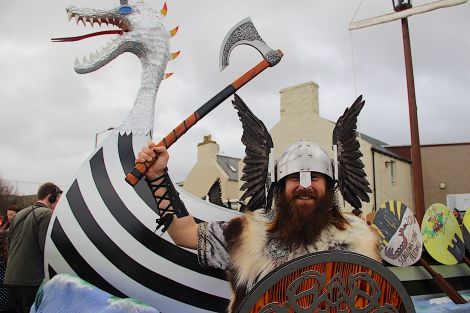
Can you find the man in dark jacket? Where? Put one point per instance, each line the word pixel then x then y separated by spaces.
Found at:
pixel 27 235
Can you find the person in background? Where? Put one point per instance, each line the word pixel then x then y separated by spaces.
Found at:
pixel 457 216
pixel 27 235
pixel 5 303
pixel 11 212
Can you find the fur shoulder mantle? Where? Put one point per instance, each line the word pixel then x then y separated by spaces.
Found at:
pixel 254 253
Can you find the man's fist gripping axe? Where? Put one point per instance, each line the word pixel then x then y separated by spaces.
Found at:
pixel 243 33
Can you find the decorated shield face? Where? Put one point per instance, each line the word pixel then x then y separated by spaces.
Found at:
pixel 466 229
pixel 442 236
pixel 401 243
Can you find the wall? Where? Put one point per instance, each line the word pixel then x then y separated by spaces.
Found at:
pixel 207 170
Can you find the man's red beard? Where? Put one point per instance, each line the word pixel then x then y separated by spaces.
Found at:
pixel 300 224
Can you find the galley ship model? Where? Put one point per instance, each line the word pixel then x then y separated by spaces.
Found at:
pixel 103 228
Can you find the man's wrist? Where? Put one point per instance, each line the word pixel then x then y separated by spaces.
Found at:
pixel 155 175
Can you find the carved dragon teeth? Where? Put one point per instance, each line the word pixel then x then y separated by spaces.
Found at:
pixel 99 19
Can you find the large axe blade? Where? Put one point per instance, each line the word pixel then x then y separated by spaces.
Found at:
pixel 243 32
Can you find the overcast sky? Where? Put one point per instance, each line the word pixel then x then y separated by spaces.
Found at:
pixel 50 115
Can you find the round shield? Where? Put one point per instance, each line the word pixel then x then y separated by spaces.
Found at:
pixel 442 236
pixel 466 229
pixel 401 243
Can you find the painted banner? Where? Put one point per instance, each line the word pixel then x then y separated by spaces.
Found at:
pixel 401 243
pixel 442 236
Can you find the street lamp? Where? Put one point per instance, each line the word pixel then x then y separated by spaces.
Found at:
pixel 96 135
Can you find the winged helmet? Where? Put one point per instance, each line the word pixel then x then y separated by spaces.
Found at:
pixel 258 183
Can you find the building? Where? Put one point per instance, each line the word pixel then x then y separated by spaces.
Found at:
pixel 389 173
pixel 209 167
pixel 446 171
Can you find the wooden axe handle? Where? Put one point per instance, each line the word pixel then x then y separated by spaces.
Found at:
pixel 444 284
pixel 466 260
pixel 139 170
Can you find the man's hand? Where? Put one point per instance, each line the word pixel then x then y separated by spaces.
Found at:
pixel 150 153
pixel 182 230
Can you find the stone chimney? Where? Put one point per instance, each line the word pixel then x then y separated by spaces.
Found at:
pixel 299 100
pixel 207 149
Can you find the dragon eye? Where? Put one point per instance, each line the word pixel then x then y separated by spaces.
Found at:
pixel 124 10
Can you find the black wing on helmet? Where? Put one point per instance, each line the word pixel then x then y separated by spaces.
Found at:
pixel 258 144
pixel 352 181
pixel 215 193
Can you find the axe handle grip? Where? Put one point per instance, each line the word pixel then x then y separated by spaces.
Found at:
pixel 139 170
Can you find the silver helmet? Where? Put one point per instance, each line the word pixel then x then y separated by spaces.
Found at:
pixel 303 157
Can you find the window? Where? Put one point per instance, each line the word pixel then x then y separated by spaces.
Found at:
pixel 393 171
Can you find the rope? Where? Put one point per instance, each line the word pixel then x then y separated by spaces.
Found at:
pixel 352 47
pixel 353 61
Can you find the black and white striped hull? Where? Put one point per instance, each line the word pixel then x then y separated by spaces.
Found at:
pixel 103 231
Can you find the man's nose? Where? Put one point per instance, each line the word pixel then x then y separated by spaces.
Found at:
pixel 300 187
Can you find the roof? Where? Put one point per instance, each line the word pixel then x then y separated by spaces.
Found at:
pixel 433 145
pixel 379 146
pixel 229 165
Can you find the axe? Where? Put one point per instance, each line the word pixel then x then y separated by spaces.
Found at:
pixel 243 33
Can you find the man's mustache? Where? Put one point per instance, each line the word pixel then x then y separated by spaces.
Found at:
pixel 305 193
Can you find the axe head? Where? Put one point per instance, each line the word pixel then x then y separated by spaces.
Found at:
pixel 245 33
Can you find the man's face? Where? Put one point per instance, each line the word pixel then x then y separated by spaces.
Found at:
pixel 302 213
pixel 301 196
pixel 10 214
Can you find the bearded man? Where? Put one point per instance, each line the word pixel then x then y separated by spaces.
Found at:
pixel 306 218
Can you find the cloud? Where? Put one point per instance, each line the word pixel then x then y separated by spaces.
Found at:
pixel 50 115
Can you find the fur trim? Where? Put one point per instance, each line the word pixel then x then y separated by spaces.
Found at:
pixel 249 256
pixel 251 260
pixel 361 238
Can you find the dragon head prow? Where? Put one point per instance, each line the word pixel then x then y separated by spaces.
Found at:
pixel 141 32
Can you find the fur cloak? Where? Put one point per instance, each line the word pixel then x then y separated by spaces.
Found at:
pixel 254 252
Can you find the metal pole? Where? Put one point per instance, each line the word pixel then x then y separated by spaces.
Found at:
pixel 417 172
pixel 98 133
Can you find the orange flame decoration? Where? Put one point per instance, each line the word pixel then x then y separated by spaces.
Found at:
pixel 174 55
pixel 164 10
pixel 174 31
pixel 167 75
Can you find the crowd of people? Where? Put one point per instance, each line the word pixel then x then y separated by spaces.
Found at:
pixel 22 239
